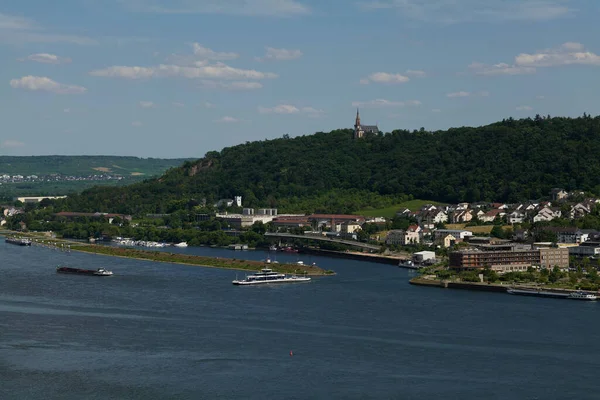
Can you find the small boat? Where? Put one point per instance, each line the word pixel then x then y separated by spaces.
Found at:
pixel 18 241
pixel 267 275
pixel 579 295
pixel 80 271
pixel 407 264
pixel 182 244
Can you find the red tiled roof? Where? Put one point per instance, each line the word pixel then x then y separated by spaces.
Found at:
pixel 337 216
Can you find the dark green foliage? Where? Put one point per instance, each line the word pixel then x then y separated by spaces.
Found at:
pixel 512 160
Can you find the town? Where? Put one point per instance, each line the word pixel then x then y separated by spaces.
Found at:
pixel 501 237
pixel 17 178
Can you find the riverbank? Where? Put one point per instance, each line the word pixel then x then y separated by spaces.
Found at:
pixel 174 258
pixel 355 255
pixel 201 261
pixel 485 287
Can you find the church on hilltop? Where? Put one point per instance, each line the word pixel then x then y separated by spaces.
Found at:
pixel 361 130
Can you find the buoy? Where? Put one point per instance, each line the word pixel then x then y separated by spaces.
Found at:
pixel 291 353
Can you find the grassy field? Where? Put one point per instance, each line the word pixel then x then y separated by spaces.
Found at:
pixel 389 212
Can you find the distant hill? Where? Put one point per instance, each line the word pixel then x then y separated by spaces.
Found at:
pixel 71 174
pixel 86 165
pixel 511 160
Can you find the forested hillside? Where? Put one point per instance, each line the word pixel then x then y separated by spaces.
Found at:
pixel 511 160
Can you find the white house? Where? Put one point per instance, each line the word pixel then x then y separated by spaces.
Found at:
pixel 547 214
pixel 492 215
pixel 516 217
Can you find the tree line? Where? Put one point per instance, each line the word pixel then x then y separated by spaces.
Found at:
pixel 510 161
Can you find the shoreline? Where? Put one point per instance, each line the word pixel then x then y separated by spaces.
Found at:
pixel 486 287
pixel 175 258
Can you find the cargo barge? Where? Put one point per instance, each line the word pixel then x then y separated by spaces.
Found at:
pixel 557 295
pixel 79 271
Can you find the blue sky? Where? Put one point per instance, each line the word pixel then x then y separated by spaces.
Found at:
pixel 178 78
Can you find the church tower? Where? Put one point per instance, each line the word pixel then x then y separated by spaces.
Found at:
pixel 358 131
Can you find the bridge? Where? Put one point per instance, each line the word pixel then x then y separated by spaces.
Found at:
pixel 324 239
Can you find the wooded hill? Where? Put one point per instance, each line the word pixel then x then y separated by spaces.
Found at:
pixel 511 160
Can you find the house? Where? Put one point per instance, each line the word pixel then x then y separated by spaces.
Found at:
pixel 224 203
pixel 427 257
pixel 568 234
pixel 403 212
pixel 516 217
pixel 499 206
pixel 334 221
pixel 459 234
pixel 291 222
pixel 462 206
pixel 547 214
pixel 448 241
pixel 582 209
pixel 558 194
pixel 521 234
pixel 492 215
pixel 404 237
pixel 428 218
pixel 350 227
pixel 462 216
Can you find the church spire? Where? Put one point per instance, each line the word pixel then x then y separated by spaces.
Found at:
pixel 357 123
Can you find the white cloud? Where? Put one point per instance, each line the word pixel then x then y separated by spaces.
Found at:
pixel 569 53
pixel 178 104
pixel 436 110
pixel 280 54
pixel 235 85
pixel 384 77
pixel 291 109
pixel 468 94
pixel 227 120
pixel 524 108
pixel 19 30
pixel 208 54
pixel 207 104
pixel 147 104
pixel 46 58
pixel 271 8
pixel 136 124
pixel 280 109
pixel 381 103
pixel 416 73
pixel 200 71
pixel 499 69
pixel 45 84
pixel 453 11
pixel 10 143
pixel 540 97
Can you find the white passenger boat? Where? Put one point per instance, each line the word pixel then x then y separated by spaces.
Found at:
pixel 267 275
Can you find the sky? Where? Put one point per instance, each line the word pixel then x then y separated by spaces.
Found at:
pixel 179 78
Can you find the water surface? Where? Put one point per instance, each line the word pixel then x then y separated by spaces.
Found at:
pixel 167 331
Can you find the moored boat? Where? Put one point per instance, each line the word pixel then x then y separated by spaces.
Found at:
pixel 18 241
pixel 267 275
pixel 579 295
pixel 80 271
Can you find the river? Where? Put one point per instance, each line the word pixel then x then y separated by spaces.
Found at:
pixel 166 331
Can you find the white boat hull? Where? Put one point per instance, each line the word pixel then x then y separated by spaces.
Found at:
pixel 263 282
